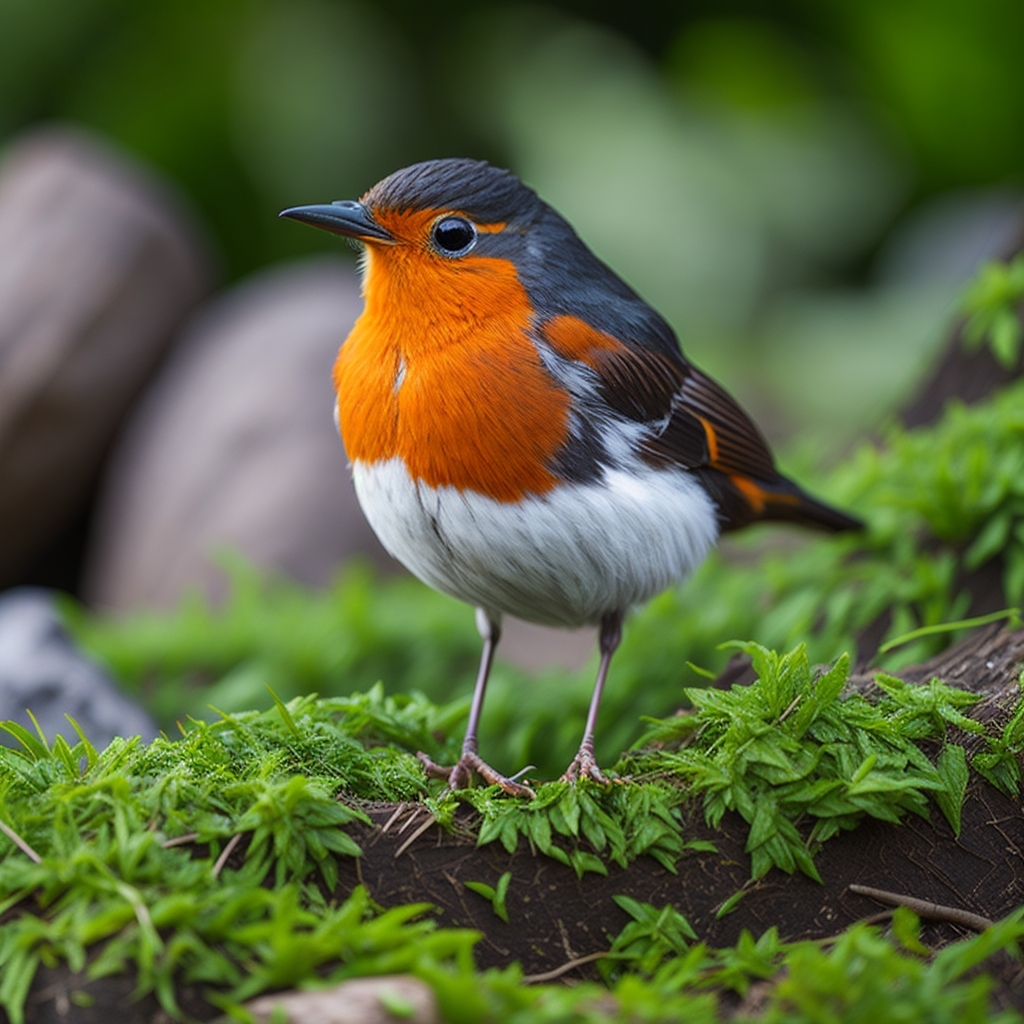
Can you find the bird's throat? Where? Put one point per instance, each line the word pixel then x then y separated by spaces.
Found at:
pixel 440 371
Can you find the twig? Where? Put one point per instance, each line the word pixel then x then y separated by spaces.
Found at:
pixel 539 979
pixel 188 837
pixel 394 817
pixel 412 839
pixel 20 843
pixel 930 911
pixel 387 824
pixel 225 853
pixel 408 821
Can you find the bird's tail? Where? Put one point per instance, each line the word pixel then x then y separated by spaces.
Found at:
pixel 786 502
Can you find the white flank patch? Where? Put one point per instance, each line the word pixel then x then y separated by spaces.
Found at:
pixel 563 559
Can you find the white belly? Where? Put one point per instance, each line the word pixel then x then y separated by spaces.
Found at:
pixel 562 559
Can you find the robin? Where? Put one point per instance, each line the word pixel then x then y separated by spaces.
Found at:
pixel 524 431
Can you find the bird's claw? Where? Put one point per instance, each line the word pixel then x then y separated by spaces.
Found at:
pixel 584 766
pixel 460 775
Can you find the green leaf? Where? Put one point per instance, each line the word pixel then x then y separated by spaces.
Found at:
pixel 395 1004
pixel 284 713
pixel 949 627
pixel 36 750
pixel 496 897
pixel 581 861
pixel 730 904
pixel 499 896
pixel 1005 334
pixel 907 929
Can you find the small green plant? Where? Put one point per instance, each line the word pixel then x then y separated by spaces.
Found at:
pixel 799 763
pixel 495 895
pixel 583 826
pixel 992 306
pixel 648 939
pixel 1000 764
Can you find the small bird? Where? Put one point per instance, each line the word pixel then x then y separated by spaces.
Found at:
pixel 524 431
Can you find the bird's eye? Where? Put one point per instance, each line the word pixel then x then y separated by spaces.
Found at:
pixel 453 236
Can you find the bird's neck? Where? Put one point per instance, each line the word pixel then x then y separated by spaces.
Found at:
pixel 439 370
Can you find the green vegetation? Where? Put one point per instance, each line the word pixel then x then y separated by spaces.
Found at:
pixel 1000 764
pixel 496 895
pixel 991 304
pixel 126 851
pixel 786 750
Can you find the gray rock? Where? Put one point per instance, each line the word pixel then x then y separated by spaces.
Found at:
pixel 382 1000
pixel 98 266
pixel 235 447
pixel 42 670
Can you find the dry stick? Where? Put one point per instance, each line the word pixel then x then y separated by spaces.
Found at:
pixel 394 817
pixel 387 824
pixel 931 911
pixel 20 843
pixel 225 853
pixel 539 979
pixel 412 839
pixel 408 821
pixel 188 837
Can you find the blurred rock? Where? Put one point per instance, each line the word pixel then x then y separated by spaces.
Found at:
pixel 235 447
pixel 42 670
pixel 98 266
pixel 381 1000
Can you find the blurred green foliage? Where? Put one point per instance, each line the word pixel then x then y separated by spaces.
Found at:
pixel 750 167
pixel 991 305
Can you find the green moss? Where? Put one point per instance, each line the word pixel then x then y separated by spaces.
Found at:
pixel 111 876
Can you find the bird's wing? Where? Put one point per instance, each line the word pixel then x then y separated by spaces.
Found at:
pixel 694 424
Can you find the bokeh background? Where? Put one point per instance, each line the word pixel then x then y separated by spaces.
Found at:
pixel 800 187
pixel 796 185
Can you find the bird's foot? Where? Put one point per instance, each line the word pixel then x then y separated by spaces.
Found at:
pixel 584 766
pixel 460 774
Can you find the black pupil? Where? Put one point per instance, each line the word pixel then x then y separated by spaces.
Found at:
pixel 453 234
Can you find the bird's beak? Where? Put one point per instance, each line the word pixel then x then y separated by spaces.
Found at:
pixel 345 217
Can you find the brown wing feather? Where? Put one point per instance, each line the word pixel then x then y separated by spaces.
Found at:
pixel 699 426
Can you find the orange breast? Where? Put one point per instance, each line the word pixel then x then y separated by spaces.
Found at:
pixel 439 371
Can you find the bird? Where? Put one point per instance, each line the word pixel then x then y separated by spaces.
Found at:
pixel 523 430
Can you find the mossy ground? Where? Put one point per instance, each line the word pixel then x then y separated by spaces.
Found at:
pixel 131 841
pixel 122 866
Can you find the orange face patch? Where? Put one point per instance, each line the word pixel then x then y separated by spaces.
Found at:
pixel 439 371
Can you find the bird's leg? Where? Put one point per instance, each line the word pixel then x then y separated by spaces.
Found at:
pixel 460 775
pixel 584 764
